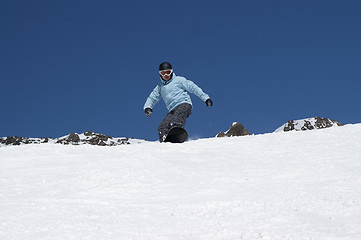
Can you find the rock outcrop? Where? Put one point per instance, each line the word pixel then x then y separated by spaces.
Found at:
pixel 89 137
pixel 236 129
pixel 308 124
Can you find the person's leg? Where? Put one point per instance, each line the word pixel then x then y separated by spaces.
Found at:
pixel 181 113
pixel 163 127
pixel 175 118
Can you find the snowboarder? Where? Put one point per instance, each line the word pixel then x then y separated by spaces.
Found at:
pixel 173 89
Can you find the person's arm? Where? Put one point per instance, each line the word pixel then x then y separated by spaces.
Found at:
pixel 153 98
pixel 193 88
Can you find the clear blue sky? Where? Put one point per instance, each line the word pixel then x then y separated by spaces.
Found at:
pixel 74 66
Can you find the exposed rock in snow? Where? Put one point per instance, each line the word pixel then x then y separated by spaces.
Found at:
pixel 237 129
pixel 89 137
pixel 308 124
pixel 22 140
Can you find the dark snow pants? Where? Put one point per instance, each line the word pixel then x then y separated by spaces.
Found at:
pixel 175 118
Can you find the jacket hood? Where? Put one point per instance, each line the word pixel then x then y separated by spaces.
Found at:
pixel 166 82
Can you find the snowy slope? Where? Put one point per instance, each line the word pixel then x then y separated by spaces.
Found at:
pixel 294 185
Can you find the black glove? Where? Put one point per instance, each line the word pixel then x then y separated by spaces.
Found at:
pixel 148 112
pixel 209 102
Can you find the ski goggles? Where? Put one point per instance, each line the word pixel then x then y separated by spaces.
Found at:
pixel 167 72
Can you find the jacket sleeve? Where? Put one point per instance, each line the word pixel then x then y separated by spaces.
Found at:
pixel 153 98
pixel 193 88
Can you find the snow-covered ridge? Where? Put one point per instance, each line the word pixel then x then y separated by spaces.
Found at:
pixel 92 138
pixel 89 137
pixel 308 124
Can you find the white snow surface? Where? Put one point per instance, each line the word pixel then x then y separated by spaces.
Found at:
pixel 293 185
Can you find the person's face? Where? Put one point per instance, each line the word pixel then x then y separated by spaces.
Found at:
pixel 166 74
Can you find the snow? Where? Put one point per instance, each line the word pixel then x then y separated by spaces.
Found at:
pixel 293 185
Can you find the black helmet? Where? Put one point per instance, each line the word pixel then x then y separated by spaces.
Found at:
pixel 165 66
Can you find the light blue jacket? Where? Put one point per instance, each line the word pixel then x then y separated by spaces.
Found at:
pixel 174 92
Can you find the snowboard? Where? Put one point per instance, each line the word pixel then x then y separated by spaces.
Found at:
pixel 176 135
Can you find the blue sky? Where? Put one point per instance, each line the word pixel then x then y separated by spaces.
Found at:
pixel 74 66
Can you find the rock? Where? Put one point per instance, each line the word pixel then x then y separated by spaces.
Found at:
pixel 89 137
pixel 73 137
pixel 13 140
pixel 308 124
pixel 236 129
pixel 88 133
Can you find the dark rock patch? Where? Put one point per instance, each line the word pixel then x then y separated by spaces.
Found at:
pixel 236 129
